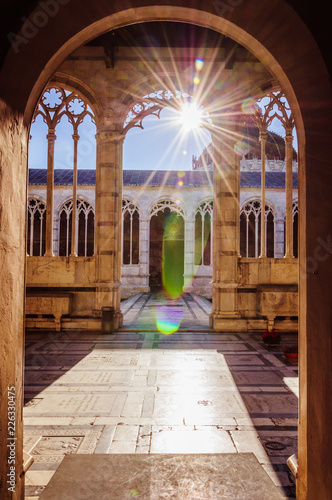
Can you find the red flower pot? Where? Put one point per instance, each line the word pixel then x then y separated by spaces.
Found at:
pixel 292 356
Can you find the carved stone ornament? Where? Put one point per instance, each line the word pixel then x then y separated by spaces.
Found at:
pixel 173 206
pixel 57 102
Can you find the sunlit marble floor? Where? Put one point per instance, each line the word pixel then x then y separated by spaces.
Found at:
pixel 145 392
pixel 143 311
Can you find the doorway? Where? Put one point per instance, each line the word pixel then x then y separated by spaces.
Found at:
pixel 166 266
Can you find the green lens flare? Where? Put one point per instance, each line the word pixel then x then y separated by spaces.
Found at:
pixel 248 106
pixel 173 255
pixel 168 319
pixel 242 147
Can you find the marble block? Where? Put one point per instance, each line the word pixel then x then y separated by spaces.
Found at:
pixel 233 476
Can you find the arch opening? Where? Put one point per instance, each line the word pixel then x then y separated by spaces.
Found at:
pixel 283 74
pixel 166 252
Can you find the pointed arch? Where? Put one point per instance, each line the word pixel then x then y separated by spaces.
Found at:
pixel 36 227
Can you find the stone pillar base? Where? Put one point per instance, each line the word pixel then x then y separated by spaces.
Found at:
pixel 224 324
pixel 228 322
pixel 118 320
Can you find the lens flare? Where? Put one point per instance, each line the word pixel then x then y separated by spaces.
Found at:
pixel 196 80
pixel 173 255
pixel 199 63
pixel 181 173
pixel 191 116
pixel 248 106
pixel 168 319
pixel 180 183
pixel 242 148
pixel 187 75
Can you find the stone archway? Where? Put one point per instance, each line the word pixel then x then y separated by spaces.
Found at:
pixel 304 79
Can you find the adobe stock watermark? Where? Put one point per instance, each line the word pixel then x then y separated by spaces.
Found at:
pixel 39 19
pixel 321 253
pixel 11 439
pixel 86 146
pixel 225 6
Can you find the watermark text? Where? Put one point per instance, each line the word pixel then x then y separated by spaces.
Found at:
pixel 11 439
pixel 38 20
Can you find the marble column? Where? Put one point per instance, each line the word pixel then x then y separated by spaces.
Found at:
pixel 189 252
pixel 289 193
pixel 225 230
pixel 32 219
pixel 51 137
pixel 74 227
pixel 238 182
pixel 108 220
pixel 144 234
pixel 262 138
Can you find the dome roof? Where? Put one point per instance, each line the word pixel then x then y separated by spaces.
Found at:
pixel 275 144
pixel 248 147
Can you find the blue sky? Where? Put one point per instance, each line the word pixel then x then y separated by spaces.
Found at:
pixel 161 145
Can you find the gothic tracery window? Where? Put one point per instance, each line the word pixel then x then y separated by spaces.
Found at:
pixel 66 112
pixel 85 228
pixel 130 233
pixel 203 234
pixel 250 229
pixel 163 205
pixel 36 229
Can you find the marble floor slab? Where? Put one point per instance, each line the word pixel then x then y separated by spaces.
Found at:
pixel 143 310
pixel 161 477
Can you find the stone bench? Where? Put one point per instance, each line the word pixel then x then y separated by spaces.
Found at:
pixel 292 463
pixel 56 304
pixel 277 300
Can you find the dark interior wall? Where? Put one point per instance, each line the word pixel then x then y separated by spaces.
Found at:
pixel 14 16
pixel 301 69
pixel 316 17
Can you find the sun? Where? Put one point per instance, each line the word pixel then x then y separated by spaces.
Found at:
pixel 190 117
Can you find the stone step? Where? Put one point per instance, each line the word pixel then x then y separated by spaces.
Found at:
pixel 228 476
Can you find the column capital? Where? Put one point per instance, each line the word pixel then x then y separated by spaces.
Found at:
pixel 51 135
pixel 289 136
pixel 109 136
pixel 75 137
pixel 263 135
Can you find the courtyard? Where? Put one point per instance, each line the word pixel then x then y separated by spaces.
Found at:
pixel 141 391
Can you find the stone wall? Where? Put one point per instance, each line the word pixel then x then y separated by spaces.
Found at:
pixel 13 161
pixel 135 278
